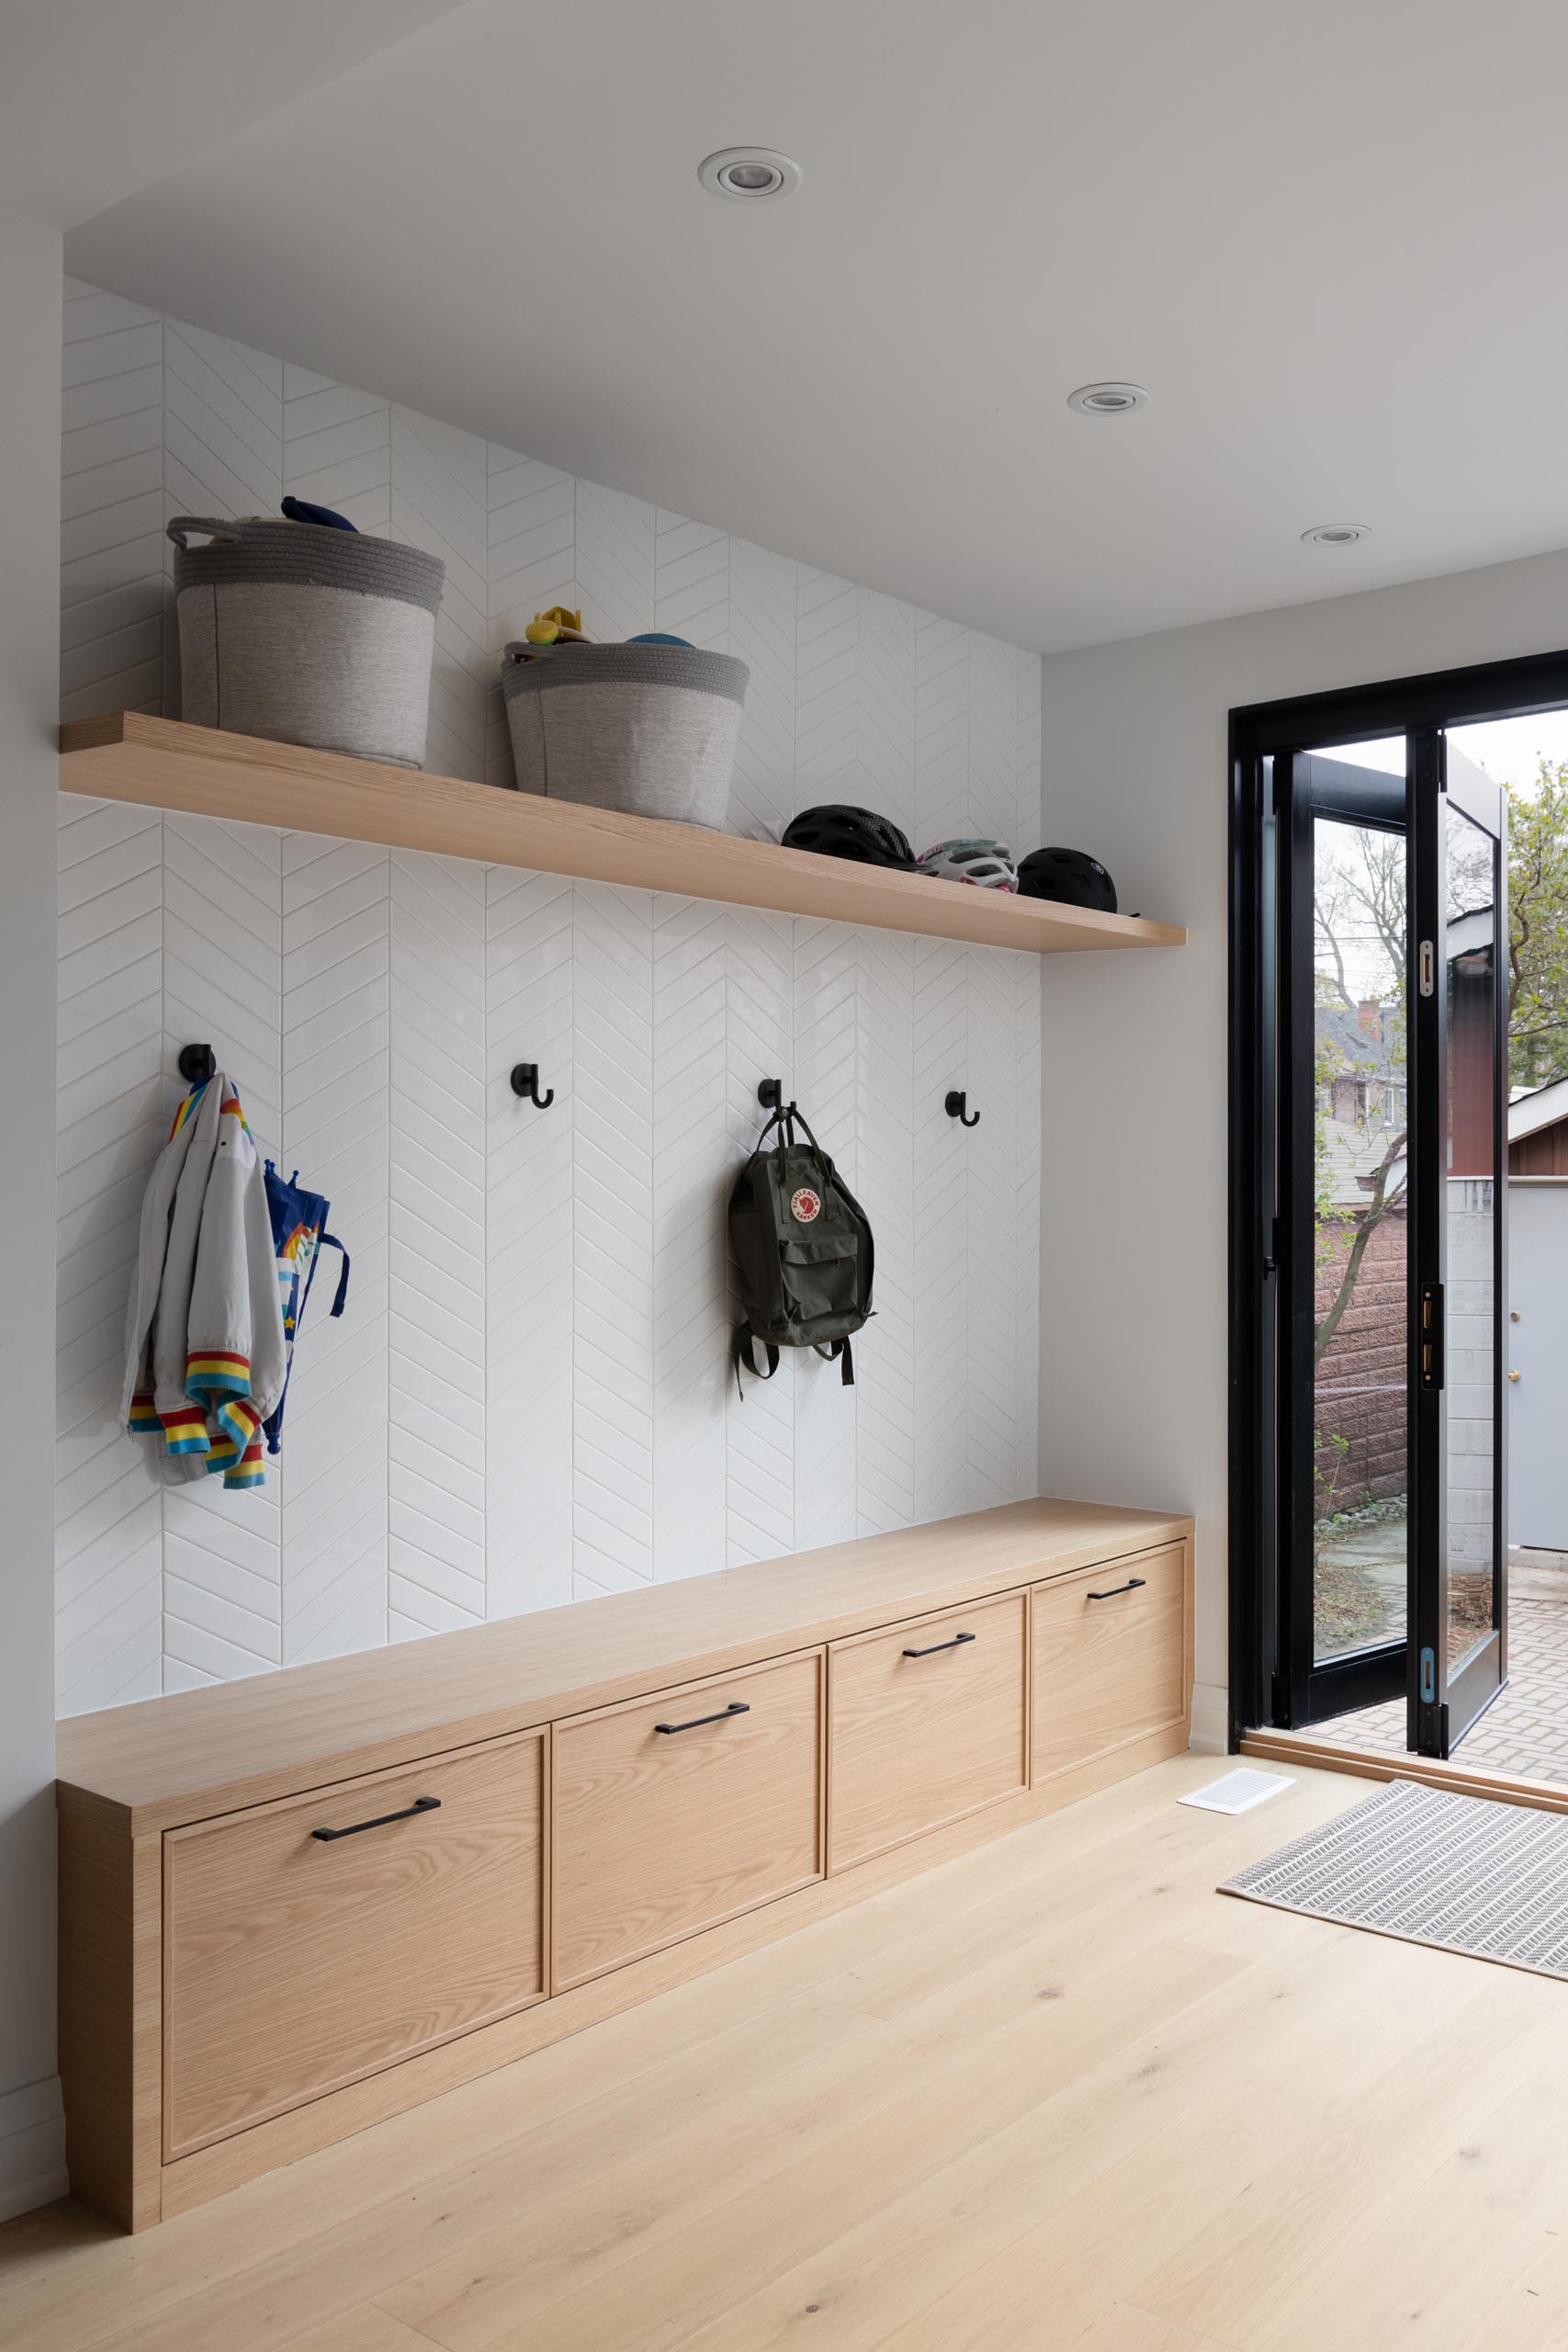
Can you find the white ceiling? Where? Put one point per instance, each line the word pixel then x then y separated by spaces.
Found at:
pixel 1329 238
pixel 97 96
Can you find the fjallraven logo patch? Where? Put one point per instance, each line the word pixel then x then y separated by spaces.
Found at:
pixel 804 1205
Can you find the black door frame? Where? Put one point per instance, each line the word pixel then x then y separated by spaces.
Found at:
pixel 1442 1707
pixel 1307 786
pixel 1261 1664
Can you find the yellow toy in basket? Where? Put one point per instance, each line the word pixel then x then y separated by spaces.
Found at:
pixel 557 626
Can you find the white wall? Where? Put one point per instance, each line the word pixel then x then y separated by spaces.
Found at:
pixel 1133 1194
pixel 529 1400
pixel 31 2141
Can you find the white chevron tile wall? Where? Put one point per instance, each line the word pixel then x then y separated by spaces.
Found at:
pixel 337 448
pixel 612 1334
pixel 887 1109
pixel 528 1244
pixel 532 564
pixel 690 1160
pixel 762 634
pixel 941 730
pixel 691 580
pixel 112 511
pixel 337 1068
pixel 439 490
pixel 529 1399
pixel 436 1235
pixel 108 1539
pixel 943 1239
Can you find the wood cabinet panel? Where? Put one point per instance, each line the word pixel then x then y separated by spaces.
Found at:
pixel 658 1833
pixel 294 1964
pixel 1109 1658
pixel 235 1992
pixel 926 1723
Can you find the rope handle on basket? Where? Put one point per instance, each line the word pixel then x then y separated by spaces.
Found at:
pixel 209 526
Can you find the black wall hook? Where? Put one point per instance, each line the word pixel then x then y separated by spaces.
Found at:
pixel 769 1094
pixel 525 1084
pixel 957 1107
pixel 197 1064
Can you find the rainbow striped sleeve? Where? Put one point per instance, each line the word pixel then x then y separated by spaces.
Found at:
pixel 217 1371
pixel 188 1106
pixel 249 1471
pixel 185 1429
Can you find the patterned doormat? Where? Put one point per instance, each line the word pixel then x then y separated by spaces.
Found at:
pixel 1463 1873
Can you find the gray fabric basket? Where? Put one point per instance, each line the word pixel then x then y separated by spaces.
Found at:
pixel 648 728
pixel 307 635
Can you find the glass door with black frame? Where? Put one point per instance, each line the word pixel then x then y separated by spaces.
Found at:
pixel 1459 1596
pixel 1344 1261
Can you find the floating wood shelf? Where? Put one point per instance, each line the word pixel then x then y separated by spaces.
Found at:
pixel 163 763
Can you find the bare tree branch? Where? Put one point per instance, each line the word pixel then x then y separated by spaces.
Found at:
pixel 1380 1203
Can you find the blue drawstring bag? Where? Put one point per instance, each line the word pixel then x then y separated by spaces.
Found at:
pixel 298 1237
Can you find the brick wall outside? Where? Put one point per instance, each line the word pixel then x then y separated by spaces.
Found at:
pixel 1361 1379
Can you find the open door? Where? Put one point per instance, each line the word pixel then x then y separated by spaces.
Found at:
pixel 1337 1171
pixel 1458 1605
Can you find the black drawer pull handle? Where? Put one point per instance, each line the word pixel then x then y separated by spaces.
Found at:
pixel 931 1648
pixel 420 1804
pixel 1133 1583
pixel 736 1707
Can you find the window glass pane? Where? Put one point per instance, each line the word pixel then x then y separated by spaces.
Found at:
pixel 1470 1210
pixel 1359 1417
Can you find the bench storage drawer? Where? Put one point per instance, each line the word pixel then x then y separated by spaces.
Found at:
pixel 534 1823
pixel 296 1962
pixel 927 1723
pixel 1110 1658
pixel 674 1813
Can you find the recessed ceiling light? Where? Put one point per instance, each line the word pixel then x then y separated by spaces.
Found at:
pixel 1107 399
pixel 751 174
pixel 1336 535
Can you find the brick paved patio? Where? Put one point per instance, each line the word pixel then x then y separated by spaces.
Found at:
pixel 1525 1730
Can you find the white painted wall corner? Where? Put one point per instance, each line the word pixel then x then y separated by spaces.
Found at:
pixel 1210 1719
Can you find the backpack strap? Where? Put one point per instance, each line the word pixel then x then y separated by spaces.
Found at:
pixel 331 1241
pixel 744 1342
pixel 839 1352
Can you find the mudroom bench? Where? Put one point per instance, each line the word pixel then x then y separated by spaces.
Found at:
pixel 292 1906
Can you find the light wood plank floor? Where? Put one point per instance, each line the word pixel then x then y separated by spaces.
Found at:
pixel 1057 2092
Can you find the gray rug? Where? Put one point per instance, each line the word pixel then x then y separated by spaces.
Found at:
pixel 1463 1873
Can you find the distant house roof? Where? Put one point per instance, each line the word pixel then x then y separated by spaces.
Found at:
pixel 1477 927
pixel 1542 1109
pixel 1369 1057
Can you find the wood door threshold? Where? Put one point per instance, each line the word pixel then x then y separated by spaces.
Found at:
pixel 1463 1780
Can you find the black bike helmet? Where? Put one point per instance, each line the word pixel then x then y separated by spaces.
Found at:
pixel 859 833
pixel 1071 875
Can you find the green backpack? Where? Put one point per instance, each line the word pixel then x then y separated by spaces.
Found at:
pixel 803 1252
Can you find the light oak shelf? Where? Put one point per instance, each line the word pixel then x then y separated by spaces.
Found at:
pixel 163 763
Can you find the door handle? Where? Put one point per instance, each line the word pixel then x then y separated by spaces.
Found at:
pixel 736 1707
pixel 1513 1376
pixel 1133 1583
pixel 420 1804
pixel 931 1647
